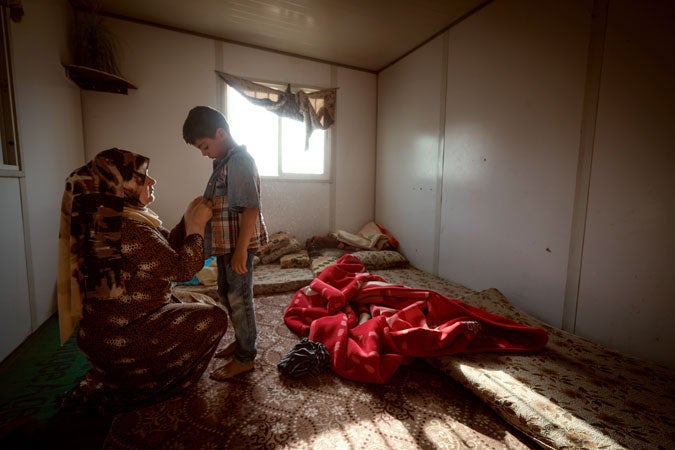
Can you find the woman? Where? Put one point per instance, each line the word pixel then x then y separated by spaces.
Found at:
pixel 116 266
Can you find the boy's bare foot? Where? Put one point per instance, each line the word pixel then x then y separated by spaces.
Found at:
pixel 231 369
pixel 227 351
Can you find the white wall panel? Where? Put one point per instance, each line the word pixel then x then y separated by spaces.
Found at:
pixel 299 208
pixel 409 111
pixel 627 283
pixel 514 100
pixel 173 72
pixel 355 152
pixel 15 322
pixel 50 135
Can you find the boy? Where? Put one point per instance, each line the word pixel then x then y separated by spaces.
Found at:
pixel 236 229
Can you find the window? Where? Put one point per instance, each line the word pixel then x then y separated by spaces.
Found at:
pixel 277 143
pixel 10 154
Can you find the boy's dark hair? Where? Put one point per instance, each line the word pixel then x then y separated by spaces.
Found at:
pixel 202 122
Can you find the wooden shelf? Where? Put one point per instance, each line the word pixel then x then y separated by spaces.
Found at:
pixel 96 80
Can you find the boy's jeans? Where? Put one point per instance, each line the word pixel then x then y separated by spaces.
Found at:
pixel 236 293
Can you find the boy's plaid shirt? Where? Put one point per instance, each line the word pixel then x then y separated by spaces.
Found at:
pixel 221 233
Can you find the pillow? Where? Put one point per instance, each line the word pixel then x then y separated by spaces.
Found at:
pixel 337 252
pixel 295 260
pixel 293 246
pixel 275 241
pixel 209 274
pixel 381 259
pixel 321 262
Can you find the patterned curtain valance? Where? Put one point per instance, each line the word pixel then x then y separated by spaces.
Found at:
pixel 315 109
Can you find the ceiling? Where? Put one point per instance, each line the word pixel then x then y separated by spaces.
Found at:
pixel 362 34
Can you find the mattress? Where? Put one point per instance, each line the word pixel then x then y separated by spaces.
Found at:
pixel 573 394
pixel 267 279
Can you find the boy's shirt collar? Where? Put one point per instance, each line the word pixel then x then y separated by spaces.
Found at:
pixel 227 153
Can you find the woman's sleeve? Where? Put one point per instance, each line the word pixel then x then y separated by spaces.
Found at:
pixel 150 251
pixel 177 236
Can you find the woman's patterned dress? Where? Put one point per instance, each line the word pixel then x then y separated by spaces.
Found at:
pixel 144 345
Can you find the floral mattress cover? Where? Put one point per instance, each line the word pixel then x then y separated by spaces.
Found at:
pixel 267 279
pixel 573 394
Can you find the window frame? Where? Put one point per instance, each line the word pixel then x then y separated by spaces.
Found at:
pixel 284 176
pixel 11 157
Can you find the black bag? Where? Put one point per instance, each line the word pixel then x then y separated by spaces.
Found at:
pixel 306 358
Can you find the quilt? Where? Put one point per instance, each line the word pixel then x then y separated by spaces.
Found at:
pixel 371 327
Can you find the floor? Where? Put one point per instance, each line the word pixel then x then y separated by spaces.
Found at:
pixel 32 378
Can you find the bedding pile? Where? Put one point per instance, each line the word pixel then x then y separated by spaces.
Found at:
pixel 371 327
pixel 371 236
pixel 284 265
pixel 282 245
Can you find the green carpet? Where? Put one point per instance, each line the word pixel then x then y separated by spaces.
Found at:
pixel 31 379
pixel 37 372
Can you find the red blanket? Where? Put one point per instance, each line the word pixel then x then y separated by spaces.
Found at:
pixel 370 327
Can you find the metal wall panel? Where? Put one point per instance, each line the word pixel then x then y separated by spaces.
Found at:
pixel 516 73
pixel 627 283
pixel 409 130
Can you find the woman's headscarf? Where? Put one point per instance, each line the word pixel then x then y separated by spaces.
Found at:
pixel 92 206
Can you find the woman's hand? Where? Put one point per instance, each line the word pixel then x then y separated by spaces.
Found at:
pixel 197 214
